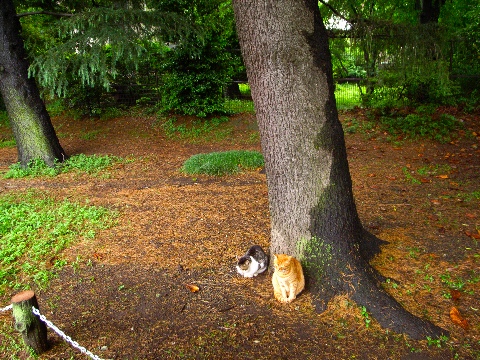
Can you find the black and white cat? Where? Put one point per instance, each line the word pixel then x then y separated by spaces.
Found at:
pixel 254 262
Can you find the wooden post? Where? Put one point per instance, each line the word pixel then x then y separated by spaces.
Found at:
pixel 33 330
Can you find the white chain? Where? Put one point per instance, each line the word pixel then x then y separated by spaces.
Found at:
pixel 6 308
pixel 65 337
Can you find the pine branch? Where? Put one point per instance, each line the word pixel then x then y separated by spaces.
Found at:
pixel 44 12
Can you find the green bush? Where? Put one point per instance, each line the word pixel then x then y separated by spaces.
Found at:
pixel 198 94
pixel 223 163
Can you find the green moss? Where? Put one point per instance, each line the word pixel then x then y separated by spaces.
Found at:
pixel 315 255
pixel 28 128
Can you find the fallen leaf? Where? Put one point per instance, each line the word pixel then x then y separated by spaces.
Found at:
pixel 454 185
pixel 442 176
pixel 371 175
pixel 470 216
pixel 425 180
pixel 472 234
pixel 98 256
pixel 457 318
pixel 435 202
pixel 192 288
pixel 455 294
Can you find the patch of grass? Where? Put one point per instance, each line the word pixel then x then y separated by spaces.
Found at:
pixel 197 130
pixel 409 177
pixel 8 143
pixel 474 195
pixel 353 126
pixel 223 163
pixel 34 230
pixel 432 170
pixel 91 164
pixel 55 107
pixel 422 125
pixel 111 113
pixel 35 168
pixel 237 106
pixel 90 135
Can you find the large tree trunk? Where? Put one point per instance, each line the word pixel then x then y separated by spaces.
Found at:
pixel 313 213
pixel 31 125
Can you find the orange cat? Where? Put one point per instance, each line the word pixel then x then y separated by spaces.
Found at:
pixel 288 280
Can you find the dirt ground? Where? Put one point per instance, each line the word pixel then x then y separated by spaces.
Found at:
pixel 126 295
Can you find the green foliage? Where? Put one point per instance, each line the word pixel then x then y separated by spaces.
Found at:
pixel 348 95
pixel 36 167
pixel 366 316
pixel 189 93
pixel 91 164
pixel 95 40
pixel 7 143
pixel 409 177
pixel 4 119
pixel 402 60
pixel 196 72
pixel 420 125
pixel 223 163
pixel 440 342
pixel 34 230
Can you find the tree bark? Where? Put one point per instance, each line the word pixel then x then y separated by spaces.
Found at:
pixel 31 124
pixel 312 209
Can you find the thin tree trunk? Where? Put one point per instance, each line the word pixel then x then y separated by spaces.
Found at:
pixel 312 209
pixel 31 125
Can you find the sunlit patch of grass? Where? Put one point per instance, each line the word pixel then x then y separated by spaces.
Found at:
pixel 35 229
pixel 91 164
pixel 223 163
pixel 8 143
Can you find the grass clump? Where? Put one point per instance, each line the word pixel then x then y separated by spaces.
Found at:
pixel 223 163
pixel 35 229
pixel 7 143
pixel 91 164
